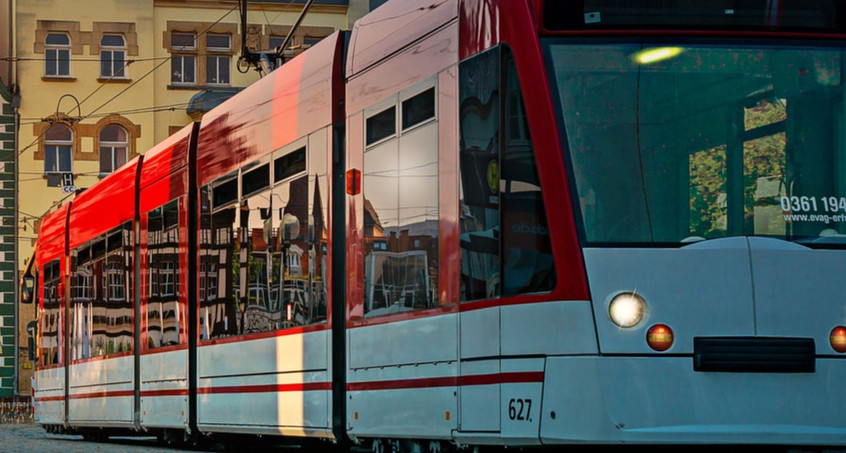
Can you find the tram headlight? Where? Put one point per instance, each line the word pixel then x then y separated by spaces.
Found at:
pixel 627 309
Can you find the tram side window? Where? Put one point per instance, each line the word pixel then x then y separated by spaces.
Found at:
pixel 297 247
pixel 116 288
pixel 381 125
pixel 82 285
pixel 163 310
pixel 220 251
pixel 290 300
pixel 400 185
pixel 51 317
pixel 317 234
pixel 256 309
pixel 101 308
pixel 259 266
pixel 505 246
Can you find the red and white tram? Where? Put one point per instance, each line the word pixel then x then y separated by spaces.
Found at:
pixel 479 222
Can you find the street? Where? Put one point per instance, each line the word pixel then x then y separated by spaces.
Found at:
pixel 28 438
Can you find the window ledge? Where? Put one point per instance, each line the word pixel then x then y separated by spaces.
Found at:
pixel 114 79
pixel 184 87
pixel 53 78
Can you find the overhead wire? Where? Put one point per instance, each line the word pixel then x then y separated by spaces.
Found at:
pixel 76 60
pixel 135 111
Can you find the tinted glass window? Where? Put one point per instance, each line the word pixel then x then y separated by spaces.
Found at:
pixel 289 165
pixel 100 288
pixel 400 186
pixel 112 40
pixel 255 180
pixel 57 39
pixel 225 193
pixel 50 340
pixel 505 240
pixel 479 207
pixel 217 41
pixel 220 249
pixel 164 315
pixel 58 132
pixel 381 125
pixel 418 109
pixel 183 40
pixel 818 15
pixel 743 145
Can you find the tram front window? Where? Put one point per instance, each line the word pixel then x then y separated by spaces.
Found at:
pixel 680 144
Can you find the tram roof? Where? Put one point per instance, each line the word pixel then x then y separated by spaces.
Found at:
pixel 288 104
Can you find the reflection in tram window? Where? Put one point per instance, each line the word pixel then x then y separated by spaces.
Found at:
pixel 298 242
pixel 400 183
pixel 262 256
pixel 219 252
pixel 163 310
pixel 254 299
pixel 49 352
pixel 101 311
pixel 505 244
pixel 479 207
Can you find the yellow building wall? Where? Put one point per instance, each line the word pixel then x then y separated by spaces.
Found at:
pixel 146 103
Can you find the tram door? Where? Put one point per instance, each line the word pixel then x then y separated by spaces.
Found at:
pixel 504 238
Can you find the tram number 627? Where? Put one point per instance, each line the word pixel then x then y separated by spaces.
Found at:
pixel 519 409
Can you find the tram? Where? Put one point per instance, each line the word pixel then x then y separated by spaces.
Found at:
pixel 478 222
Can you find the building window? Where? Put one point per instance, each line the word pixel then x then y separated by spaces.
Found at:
pixel 309 41
pixel 303 38
pixel 217 66
pixel 183 63
pixel 276 41
pixel 57 55
pixel 58 149
pixel 114 144
pixel 112 56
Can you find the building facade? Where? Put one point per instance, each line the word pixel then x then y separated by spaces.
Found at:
pixel 101 82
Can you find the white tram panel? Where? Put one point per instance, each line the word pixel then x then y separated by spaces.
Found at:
pixel 424 407
pixel 703 289
pixel 662 400
pixel 798 291
pixel 164 389
pixel 49 396
pixel 547 328
pixel 277 385
pixel 480 401
pixel 520 401
pixel 518 405
pixel 479 349
pixel 101 392
pixel 403 378
pixel 413 341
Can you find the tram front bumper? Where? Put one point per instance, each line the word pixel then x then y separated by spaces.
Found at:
pixel 657 400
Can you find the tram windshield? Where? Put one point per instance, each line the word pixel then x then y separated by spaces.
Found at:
pixel 676 144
